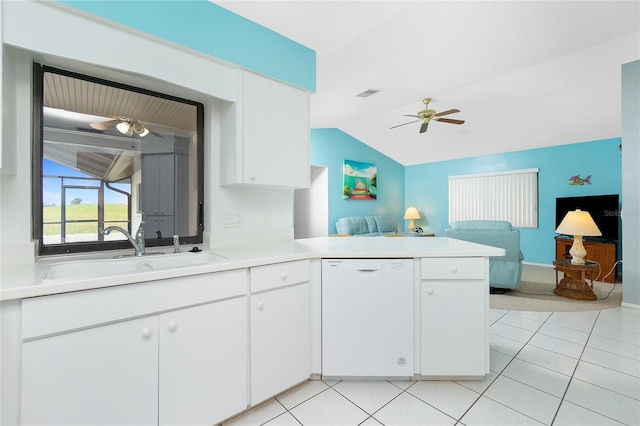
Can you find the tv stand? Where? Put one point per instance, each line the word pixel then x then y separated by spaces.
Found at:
pixel 597 251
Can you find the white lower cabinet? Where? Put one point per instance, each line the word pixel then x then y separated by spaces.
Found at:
pixel 106 375
pixel 280 330
pixel 203 364
pixel 454 328
pixel 200 349
pixel 178 367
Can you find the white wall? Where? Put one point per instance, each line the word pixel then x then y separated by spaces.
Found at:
pixel 311 206
pixel 28 35
pixel 15 179
pixel 631 184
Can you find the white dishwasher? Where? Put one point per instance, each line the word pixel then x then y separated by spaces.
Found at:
pixel 367 318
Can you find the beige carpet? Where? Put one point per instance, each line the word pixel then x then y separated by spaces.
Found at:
pixel 536 294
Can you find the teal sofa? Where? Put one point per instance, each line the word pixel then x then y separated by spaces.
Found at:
pixel 367 226
pixel 504 271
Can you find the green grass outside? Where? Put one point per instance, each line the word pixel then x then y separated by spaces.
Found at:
pixel 112 213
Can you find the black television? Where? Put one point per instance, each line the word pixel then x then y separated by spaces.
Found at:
pixel 604 209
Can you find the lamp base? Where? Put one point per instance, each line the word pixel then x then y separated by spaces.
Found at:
pixel 577 251
pixel 412 225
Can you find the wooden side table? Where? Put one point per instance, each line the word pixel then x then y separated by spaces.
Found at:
pixel 574 284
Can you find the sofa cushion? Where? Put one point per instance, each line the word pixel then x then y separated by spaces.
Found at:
pixel 371 224
pixel 353 225
pixel 386 224
pixel 481 225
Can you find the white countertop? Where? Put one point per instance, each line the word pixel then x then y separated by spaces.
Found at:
pixel 22 281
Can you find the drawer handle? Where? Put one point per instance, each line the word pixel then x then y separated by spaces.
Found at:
pixel 252 176
pixel 146 332
pixel 429 291
pixel 260 306
pixel 283 276
pixel 172 326
pixel 454 269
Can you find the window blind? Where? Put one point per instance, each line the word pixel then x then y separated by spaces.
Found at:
pixel 510 195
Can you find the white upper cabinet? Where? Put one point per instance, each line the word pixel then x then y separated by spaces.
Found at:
pixel 265 135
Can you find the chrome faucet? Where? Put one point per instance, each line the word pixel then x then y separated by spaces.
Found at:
pixel 137 243
pixel 176 244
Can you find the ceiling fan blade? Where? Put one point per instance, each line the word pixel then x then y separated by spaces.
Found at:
pixel 424 126
pixel 410 115
pixel 104 125
pixel 155 133
pixel 449 111
pixel 449 120
pixel 404 124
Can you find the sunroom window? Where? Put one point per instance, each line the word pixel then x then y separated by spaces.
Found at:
pixel 108 154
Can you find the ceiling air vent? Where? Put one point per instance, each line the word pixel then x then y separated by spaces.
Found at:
pixel 367 93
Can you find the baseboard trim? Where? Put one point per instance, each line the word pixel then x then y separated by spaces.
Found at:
pixel 538 264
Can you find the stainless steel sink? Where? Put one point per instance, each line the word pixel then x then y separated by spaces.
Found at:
pixel 181 260
pixel 85 269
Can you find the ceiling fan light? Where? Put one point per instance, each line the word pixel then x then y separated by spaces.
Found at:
pixel 139 129
pixel 123 127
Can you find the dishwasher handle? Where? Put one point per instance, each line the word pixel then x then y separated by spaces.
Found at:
pixel 367 271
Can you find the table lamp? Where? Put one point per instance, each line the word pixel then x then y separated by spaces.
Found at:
pixel 411 214
pixel 578 223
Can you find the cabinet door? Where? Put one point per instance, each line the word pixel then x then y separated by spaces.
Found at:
pixel 275 133
pixel 158 184
pixel 104 375
pixel 454 328
pixel 203 364
pixel 166 184
pixel 279 340
pixel 154 224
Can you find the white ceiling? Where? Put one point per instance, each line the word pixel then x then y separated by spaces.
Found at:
pixel 524 74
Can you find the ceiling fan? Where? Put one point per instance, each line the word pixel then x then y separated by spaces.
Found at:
pixel 126 126
pixel 426 115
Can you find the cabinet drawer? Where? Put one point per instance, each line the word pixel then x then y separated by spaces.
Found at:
pixel 279 275
pixel 452 268
pixel 63 312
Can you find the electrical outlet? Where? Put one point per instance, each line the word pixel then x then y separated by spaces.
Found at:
pixel 232 220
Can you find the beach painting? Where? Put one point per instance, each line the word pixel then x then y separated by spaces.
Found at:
pixel 360 181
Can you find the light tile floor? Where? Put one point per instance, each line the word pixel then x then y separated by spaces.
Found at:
pixel 562 368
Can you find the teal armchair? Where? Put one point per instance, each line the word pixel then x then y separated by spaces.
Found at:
pixel 504 271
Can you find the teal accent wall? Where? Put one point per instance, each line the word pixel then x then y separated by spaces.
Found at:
pixel 427 185
pixel 329 148
pixel 208 28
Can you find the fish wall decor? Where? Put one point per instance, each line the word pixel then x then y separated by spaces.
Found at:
pixel 577 180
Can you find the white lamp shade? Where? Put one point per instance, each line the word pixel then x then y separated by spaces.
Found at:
pixel 578 222
pixel 412 213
